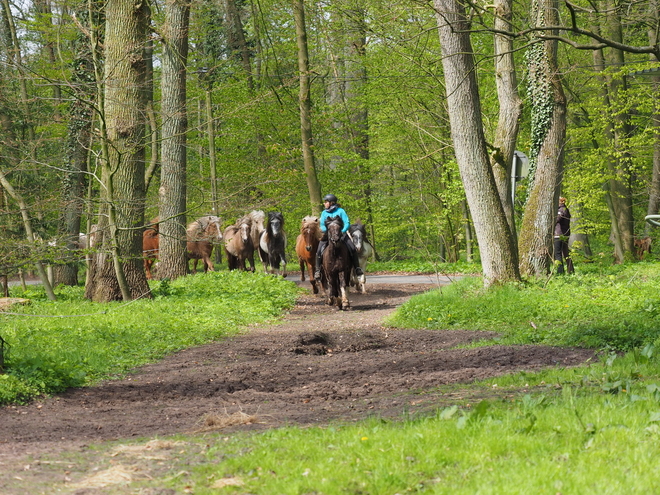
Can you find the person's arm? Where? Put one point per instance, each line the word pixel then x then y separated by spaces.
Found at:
pixel 322 221
pixel 347 222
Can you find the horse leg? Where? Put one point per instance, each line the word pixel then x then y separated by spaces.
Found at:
pixel 207 264
pixel 343 287
pixel 147 268
pixel 283 266
pixel 303 265
pixel 362 279
pixel 251 260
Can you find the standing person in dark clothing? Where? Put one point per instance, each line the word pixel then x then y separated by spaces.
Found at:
pixel 561 235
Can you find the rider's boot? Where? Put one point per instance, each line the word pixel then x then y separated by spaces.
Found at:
pixel 317 272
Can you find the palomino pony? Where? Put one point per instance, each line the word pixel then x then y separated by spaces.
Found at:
pixel 272 244
pixel 306 245
pixel 258 218
pixel 201 236
pixel 150 246
pixel 238 244
pixel 364 251
pixel 337 265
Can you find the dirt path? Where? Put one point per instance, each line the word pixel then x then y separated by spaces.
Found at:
pixel 316 365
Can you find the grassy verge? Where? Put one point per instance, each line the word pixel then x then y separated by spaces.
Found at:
pixel 73 342
pixel 617 308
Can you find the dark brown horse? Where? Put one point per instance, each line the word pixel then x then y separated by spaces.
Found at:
pixel 337 265
pixel 272 244
pixel 201 236
pixel 238 244
pixel 150 246
pixel 307 243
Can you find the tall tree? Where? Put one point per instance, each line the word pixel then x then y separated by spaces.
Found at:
pixel 548 139
pixel 510 104
pixel 305 102
pixel 118 272
pixel 618 132
pixel 172 192
pixel 79 135
pixel 496 244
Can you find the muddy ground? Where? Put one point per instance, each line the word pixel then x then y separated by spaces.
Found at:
pixel 315 366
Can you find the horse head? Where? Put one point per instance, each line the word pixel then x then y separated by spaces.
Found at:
pixel 275 223
pixel 358 233
pixel 310 231
pixel 213 228
pixel 357 240
pixel 244 227
pixel 334 227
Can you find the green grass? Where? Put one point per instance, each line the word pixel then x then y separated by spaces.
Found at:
pixel 619 309
pixel 420 265
pixel 72 342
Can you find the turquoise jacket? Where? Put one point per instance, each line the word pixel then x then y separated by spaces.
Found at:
pixel 332 212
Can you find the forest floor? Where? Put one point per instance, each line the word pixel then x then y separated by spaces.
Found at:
pixel 315 366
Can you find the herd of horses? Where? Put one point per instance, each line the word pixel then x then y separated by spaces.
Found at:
pixel 264 234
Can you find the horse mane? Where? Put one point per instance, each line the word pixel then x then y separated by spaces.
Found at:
pixel 258 217
pixel 336 219
pixel 310 222
pixel 198 227
pixel 245 219
pixel 153 224
pixel 358 226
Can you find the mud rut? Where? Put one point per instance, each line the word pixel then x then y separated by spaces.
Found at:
pixel 315 366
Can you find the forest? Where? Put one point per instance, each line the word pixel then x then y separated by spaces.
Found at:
pixel 449 128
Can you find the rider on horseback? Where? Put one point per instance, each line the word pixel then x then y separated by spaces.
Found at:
pixel 332 210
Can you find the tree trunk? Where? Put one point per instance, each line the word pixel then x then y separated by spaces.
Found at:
pixel 618 157
pixel 79 132
pixel 654 192
pixel 510 102
pixel 172 192
pixel 121 275
pixel 547 153
pixel 497 248
pixel 304 98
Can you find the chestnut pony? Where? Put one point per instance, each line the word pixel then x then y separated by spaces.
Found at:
pixel 307 243
pixel 201 236
pixel 150 246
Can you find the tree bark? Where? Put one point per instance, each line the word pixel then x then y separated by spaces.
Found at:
pixel 304 98
pixel 547 154
pixel 510 102
pixel 121 275
pixel 172 192
pixel 497 248
pixel 618 160
pixel 654 192
pixel 79 128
